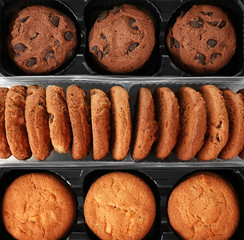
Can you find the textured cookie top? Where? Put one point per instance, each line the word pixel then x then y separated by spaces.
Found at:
pixel 122 39
pixel 120 206
pixel 203 40
pixel 38 206
pixel 204 206
pixel 41 39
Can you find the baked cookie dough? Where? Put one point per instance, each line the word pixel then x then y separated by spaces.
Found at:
pixel 202 40
pixel 122 39
pixel 120 205
pixel 41 39
pixel 241 155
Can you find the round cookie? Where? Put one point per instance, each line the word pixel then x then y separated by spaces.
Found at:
pixel 202 40
pixel 146 125
pixel 41 39
pixel 122 39
pixel 44 207
pixel 121 122
pixel 241 155
pixel 193 123
pixel 217 123
pixel 235 108
pixel 204 206
pixel 120 206
pixel 168 118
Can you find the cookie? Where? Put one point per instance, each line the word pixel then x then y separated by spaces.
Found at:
pixel 235 108
pixel 168 118
pixel 59 123
pixel 146 125
pixel 217 123
pixel 122 39
pixel 101 130
pixel 193 123
pixel 37 122
pixel 121 122
pixel 241 155
pixel 79 112
pixel 15 124
pixel 4 147
pixel 205 206
pixel 202 40
pixel 120 205
pixel 44 207
pixel 41 39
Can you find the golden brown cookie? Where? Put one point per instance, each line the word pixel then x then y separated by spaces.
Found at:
pixel 217 123
pixel 168 118
pixel 4 147
pixel 204 206
pixel 241 155
pixel 101 130
pixel 122 39
pixel 146 125
pixel 79 112
pixel 121 122
pixel 193 123
pixel 44 207
pixel 59 122
pixel 120 206
pixel 37 122
pixel 235 108
pixel 15 123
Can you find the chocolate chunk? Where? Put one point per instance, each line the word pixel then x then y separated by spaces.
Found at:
pixel 95 49
pixel 201 58
pixel 51 116
pixel 217 137
pixel 41 104
pixel 177 44
pixel 31 62
pixel 70 54
pixel 222 24
pixel 219 126
pixel 49 55
pixel 182 13
pixel 207 13
pixel 197 23
pixel 100 54
pixel 57 43
pixel 172 42
pixel 68 36
pixel 106 50
pixel 24 19
pixel 35 36
pixel 133 46
pixel 55 21
pixel 212 43
pixel 103 36
pixel 116 9
pixel 214 56
pixel 214 23
pixel 20 47
pixel 102 16
pixel 131 22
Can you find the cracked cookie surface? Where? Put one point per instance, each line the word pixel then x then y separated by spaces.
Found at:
pixel 122 39
pixel 44 207
pixel 120 206
pixel 202 40
pixel 204 206
pixel 41 39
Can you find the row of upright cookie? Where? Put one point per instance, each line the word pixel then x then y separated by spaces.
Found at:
pixel 205 124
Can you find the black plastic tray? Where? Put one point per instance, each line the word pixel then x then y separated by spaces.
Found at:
pixel 84 14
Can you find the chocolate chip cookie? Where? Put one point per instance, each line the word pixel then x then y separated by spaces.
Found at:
pixel 202 40
pixel 241 155
pixel 15 123
pixel 37 122
pixel 122 39
pixel 41 39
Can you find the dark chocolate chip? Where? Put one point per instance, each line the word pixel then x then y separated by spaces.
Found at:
pixel 35 36
pixel 95 49
pixel 106 50
pixel 20 47
pixel 214 56
pixel 222 24
pixel 41 104
pixel 102 16
pixel 70 54
pixel 57 43
pixel 133 46
pixel 182 13
pixel 172 42
pixel 212 43
pixel 31 62
pixel 100 54
pixel 68 36
pixel 51 116
pixel 197 23
pixel 177 44
pixel 24 19
pixel 219 126
pixel 103 36
pixel 49 55
pixel 207 13
pixel 116 9
pixel 214 23
pixel 217 137
pixel 55 21
pixel 131 22
pixel 201 58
